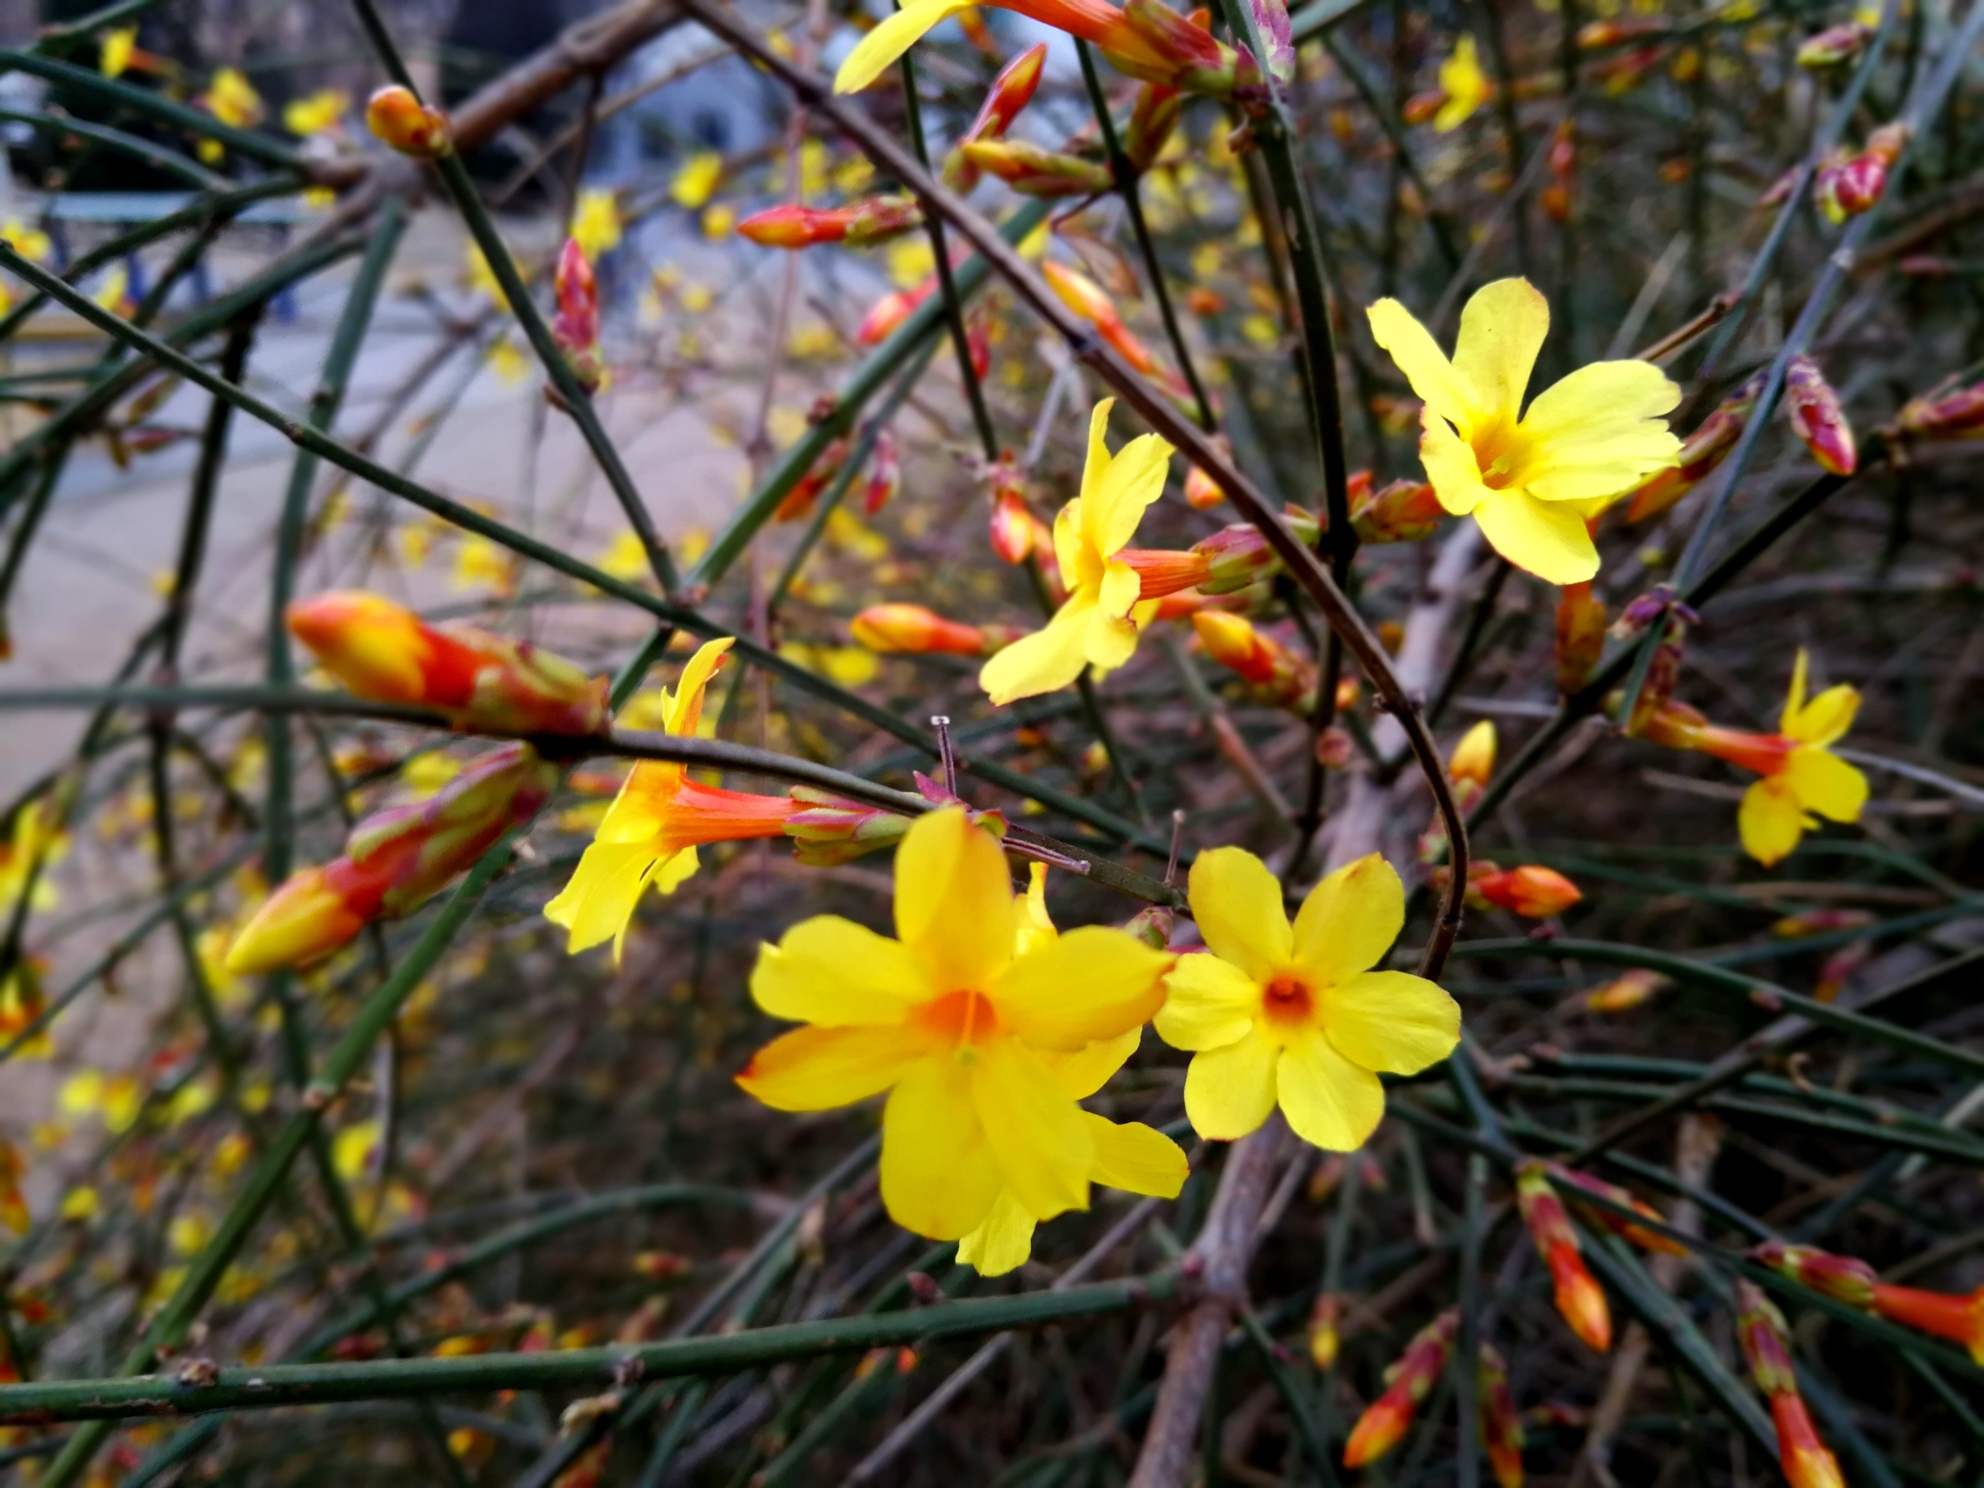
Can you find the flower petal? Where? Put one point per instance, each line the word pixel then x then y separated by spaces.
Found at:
pixel 1230 1091
pixel 1081 1072
pixel 1116 489
pixel 1208 1003
pixel 1350 920
pixel 1598 432
pixel 1538 537
pixel 887 42
pixel 1068 551
pixel 1035 1131
pixel 1044 661
pixel 1109 642
pixel 1444 392
pixel 939 1178
pixel 1330 1101
pixel 1136 1158
pixel 1237 903
pixel 817 1069
pixel 833 973
pixel 1391 1021
pixel 1450 464
pixel 1770 821
pixel 1501 331
pixel 1003 1243
pixel 685 709
pixel 1825 784
pixel 1091 983
pixel 954 901
pixel 1826 718
pixel 599 901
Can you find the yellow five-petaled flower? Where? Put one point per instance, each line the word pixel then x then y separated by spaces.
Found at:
pixel 1809 779
pixel 1294 1015
pixel 1099 624
pixel 983 1031
pixel 1530 479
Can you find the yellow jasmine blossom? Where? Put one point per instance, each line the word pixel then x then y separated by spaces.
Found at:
pixel 114 51
pixel 232 99
pixel 1530 479
pixel 1294 1015
pixel 957 1025
pixel 1465 85
pixel 321 111
pixel 625 558
pixel 596 222
pixel 718 221
pixel 695 183
pixel 480 562
pixel 36 842
pixel 1809 780
pixel 1129 1155
pixel 1098 625
pixel 650 833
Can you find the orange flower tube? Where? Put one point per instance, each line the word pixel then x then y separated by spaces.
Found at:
pixel 1408 1380
pixel 1579 1298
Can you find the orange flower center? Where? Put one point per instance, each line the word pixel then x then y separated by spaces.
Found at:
pixel 1496 451
pixel 1288 1001
pixel 960 1020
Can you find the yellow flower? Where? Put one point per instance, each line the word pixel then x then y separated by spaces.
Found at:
pixel 1811 780
pixel 30 242
pixel 1295 1015
pixel 232 99
pixel 596 222
pixel 321 111
pixel 1098 625
pixel 1131 1156
pixel 1531 479
pixel 718 221
pixel 696 182
pixel 35 843
pixel 114 51
pixel 651 831
pixel 957 1027
pixel 480 562
pixel 1465 85
pixel 625 558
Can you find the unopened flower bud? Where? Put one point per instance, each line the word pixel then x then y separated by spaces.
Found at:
pixel 1409 1380
pixel 1817 418
pixel 411 127
pixel 1501 1426
pixel 1404 511
pixel 1013 526
pixel 913 630
pixel 890 311
pixel 1010 92
pixel 383 651
pixel 1701 453
pixel 1580 636
pixel 806 490
pixel 1473 759
pixel 1765 1340
pixel 1843 1278
pixel 1532 891
pixel 1618 1224
pixel 1277 676
pixel 1834 45
pixel 1596 36
pixel 872 221
pixel 1625 991
pixel 884 473
pixel 1182 52
pixel 1152 119
pixel 1202 492
pixel 1152 925
pixel 1239 556
pixel 828 830
pixel 576 325
pixel 1091 302
pixel 1324 1338
pixel 1946 415
pixel 1579 1298
pixel 1034 170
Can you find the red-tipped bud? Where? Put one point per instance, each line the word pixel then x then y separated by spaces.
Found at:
pixel 1834 45
pixel 1421 107
pixel 1624 992
pixel 1817 418
pixel 884 473
pixel 1166 47
pixel 827 831
pixel 1959 1318
pixel 1081 294
pixel 794 226
pixel 913 630
pixel 1501 1426
pixel 806 490
pixel 1618 1224
pixel 1034 170
pixel 1239 556
pixel 1404 511
pixel 1804 1456
pixel 1010 92
pixel 1944 415
pixel 576 325
pixel 890 311
pixel 1277 676
pixel 1473 759
pixel 1014 531
pixel 1580 636
pixel 1152 119
pixel 1843 1278
pixel 1766 1343
pixel 1408 1381
pixel 1579 1298
pixel 394 862
pixel 1202 492
pixel 395 116
pixel 481 680
pixel 1163 571
pixel 1324 1337
pixel 1701 453
pixel 1532 891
